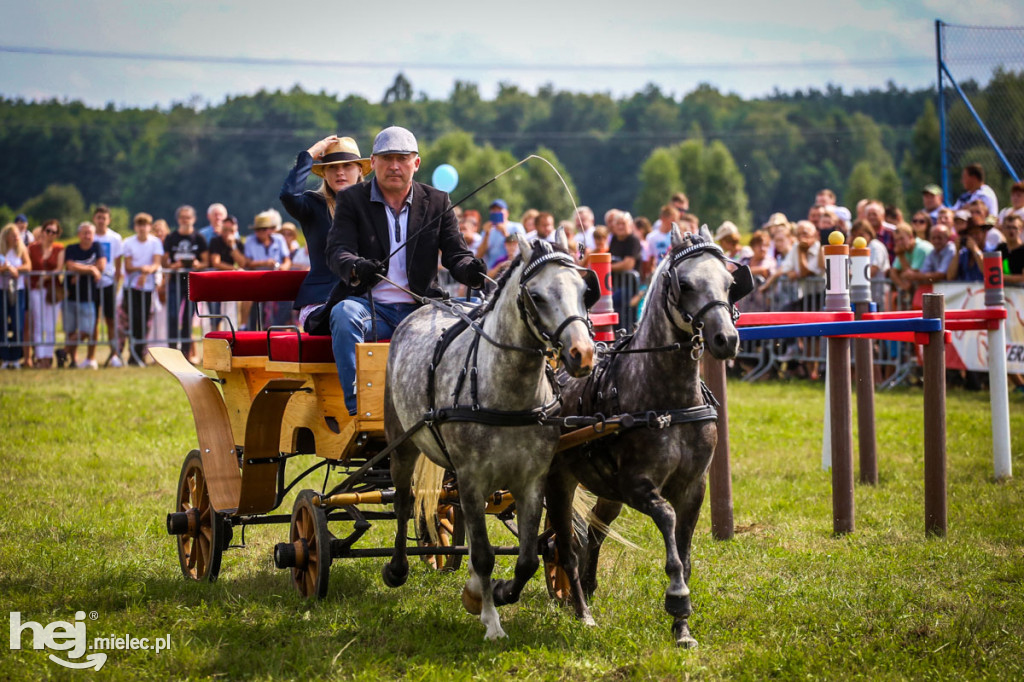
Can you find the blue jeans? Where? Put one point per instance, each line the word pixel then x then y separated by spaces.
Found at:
pixel 351 324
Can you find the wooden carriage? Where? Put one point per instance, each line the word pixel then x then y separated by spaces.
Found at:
pixel 269 397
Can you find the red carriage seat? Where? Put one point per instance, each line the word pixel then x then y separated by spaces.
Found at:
pixel 286 346
pixel 282 345
pixel 245 285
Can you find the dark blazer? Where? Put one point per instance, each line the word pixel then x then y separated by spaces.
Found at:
pixel 360 230
pixel 310 208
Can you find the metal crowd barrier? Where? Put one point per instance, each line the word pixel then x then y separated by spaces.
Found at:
pixel 894 361
pixel 625 286
pixel 35 318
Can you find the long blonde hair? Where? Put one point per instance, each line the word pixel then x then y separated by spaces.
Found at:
pixel 330 196
pixel 19 247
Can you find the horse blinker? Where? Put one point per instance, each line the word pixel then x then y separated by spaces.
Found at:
pixel 742 284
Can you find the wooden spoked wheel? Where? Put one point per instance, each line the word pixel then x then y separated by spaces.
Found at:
pixel 312 542
pixel 451 531
pixel 557 579
pixel 200 547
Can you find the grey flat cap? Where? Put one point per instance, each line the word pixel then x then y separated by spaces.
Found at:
pixel 395 140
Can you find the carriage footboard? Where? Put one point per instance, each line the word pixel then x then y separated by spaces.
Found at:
pixel 216 444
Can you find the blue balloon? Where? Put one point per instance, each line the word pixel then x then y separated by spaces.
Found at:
pixel 445 177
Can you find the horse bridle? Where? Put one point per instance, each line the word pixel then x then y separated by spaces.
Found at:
pixel 743 284
pixel 528 309
pixel 682 318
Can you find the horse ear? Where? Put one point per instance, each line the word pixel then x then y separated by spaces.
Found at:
pixel 677 236
pixel 561 239
pixel 705 233
pixel 524 246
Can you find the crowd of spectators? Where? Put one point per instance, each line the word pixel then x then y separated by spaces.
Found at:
pixel 137 287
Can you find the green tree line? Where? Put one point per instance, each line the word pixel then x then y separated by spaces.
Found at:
pixel 738 159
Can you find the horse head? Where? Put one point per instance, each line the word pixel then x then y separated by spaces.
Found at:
pixel 553 298
pixel 700 292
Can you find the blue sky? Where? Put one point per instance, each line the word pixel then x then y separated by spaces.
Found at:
pixel 745 47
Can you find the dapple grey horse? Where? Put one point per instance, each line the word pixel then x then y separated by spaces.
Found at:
pixel 659 466
pixel 540 305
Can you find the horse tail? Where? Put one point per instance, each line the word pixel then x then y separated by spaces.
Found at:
pixel 583 502
pixel 427 480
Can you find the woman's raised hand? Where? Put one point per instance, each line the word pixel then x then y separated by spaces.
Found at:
pixel 317 150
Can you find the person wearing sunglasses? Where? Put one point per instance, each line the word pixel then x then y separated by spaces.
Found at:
pixel 45 291
pixel 921 222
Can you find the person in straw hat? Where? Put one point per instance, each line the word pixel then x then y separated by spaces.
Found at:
pixel 337 160
pixel 728 237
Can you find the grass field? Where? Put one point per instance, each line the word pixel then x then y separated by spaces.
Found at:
pixel 90 461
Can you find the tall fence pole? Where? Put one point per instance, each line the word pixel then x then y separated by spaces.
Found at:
pixel 720 474
pixel 837 299
pixel 998 390
pixel 943 144
pixel 933 306
pixel 863 361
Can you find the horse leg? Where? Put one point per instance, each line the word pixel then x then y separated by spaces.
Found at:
pixel 559 493
pixel 478 595
pixel 528 513
pixel 687 507
pixel 677 596
pixel 604 511
pixel 403 462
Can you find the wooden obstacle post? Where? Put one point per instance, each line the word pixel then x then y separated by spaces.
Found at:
pixel 837 299
pixel 863 361
pixel 934 420
pixel 720 473
pixel 603 315
pixel 997 385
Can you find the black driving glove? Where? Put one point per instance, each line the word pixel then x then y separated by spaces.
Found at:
pixel 369 271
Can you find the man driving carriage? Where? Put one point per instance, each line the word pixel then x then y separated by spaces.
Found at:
pixel 391 226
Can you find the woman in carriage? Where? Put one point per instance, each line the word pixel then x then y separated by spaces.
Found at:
pixel 338 162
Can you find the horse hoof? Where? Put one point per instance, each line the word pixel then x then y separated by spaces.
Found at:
pixel 494 634
pixel 684 640
pixel 589 621
pixel 473 603
pixel 503 593
pixel 392 578
pixel 678 606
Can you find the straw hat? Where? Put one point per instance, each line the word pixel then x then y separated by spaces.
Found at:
pixel 727 229
pixel 776 219
pixel 267 219
pixel 342 150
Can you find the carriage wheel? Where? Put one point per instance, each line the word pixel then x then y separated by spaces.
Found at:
pixel 451 531
pixel 556 578
pixel 312 543
pixel 201 545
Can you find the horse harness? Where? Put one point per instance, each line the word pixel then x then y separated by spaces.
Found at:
pixel 685 321
pixel 544 255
